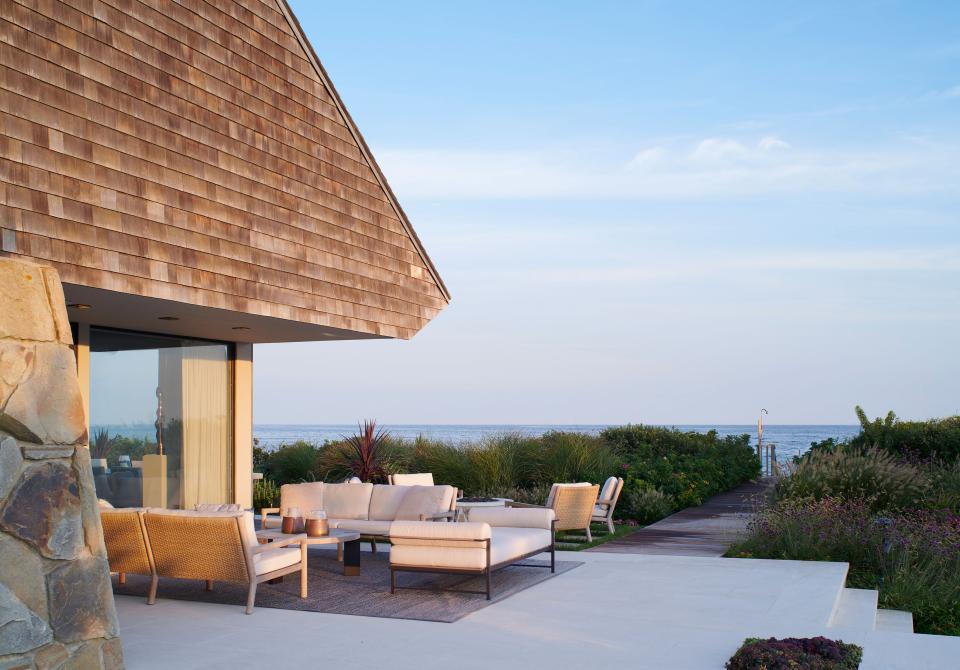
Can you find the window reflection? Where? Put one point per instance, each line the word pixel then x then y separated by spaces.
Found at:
pixel 160 419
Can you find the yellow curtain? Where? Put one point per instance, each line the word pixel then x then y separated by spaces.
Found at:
pixel 206 459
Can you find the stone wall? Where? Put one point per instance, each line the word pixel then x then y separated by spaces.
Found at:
pixel 56 601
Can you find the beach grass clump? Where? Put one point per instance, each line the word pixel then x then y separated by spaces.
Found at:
pixel 872 475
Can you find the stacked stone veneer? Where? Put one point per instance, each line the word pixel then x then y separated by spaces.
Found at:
pixel 56 602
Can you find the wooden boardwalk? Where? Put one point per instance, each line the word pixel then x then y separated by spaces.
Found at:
pixel 707 530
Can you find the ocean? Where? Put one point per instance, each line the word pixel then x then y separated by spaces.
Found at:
pixel 790 440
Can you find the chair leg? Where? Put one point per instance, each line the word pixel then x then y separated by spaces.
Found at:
pixel 152 595
pixel 303 570
pixel 251 596
pixel 488 584
pixel 209 585
pixel 121 578
pixel 589 536
pixel 340 551
pixel 553 558
pixel 373 545
pixel 393 580
pixel 610 526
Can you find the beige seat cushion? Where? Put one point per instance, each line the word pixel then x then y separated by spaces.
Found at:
pixel 508 544
pixel 347 501
pixel 274 559
pixel 307 496
pixel 426 501
pixel 362 526
pixel 513 517
pixel 385 501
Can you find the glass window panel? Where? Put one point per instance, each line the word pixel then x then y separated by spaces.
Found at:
pixel 161 417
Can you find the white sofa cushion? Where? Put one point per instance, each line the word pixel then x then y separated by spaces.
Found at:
pixel 362 526
pixel 414 479
pixel 274 559
pixel 508 544
pixel 307 496
pixel 271 522
pixel 385 501
pixel 514 517
pixel 347 501
pixel 425 500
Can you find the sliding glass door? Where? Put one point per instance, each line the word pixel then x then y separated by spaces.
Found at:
pixel 160 419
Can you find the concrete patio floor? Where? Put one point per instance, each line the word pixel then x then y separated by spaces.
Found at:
pixel 617 610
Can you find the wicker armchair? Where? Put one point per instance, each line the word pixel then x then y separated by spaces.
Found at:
pixel 220 546
pixel 128 548
pixel 572 504
pixel 607 501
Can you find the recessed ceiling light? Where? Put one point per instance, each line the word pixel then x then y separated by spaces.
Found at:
pixel 78 305
pixel 239 328
pixel 169 318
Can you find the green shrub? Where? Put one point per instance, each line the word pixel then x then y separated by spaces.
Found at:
pixel 932 439
pixel 944 490
pixel 687 466
pixel 644 503
pixel 292 463
pixel 265 494
pixel 852 474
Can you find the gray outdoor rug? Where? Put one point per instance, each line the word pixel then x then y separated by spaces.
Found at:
pixel 365 595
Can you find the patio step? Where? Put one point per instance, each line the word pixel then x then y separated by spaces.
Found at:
pixel 856 610
pixel 894 621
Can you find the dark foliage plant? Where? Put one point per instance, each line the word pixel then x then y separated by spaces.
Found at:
pixel 363 452
pixel 812 653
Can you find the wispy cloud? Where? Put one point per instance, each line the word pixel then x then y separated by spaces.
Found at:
pixel 714 167
pixel 671 267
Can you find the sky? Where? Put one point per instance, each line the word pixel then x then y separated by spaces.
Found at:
pixel 653 212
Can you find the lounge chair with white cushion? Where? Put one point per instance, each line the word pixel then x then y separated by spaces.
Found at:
pixel 220 546
pixel 494 538
pixel 607 501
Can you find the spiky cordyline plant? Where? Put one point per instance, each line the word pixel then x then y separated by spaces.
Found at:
pixel 362 452
pixel 100 444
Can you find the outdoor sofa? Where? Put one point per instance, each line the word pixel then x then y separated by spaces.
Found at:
pixel 494 538
pixel 206 546
pixel 368 509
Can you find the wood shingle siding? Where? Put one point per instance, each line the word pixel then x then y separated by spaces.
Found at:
pixel 194 150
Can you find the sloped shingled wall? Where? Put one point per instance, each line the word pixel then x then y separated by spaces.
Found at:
pixel 56 602
pixel 192 150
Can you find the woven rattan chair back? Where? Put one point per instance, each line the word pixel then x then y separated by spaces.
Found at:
pixel 573 506
pixel 125 538
pixel 201 547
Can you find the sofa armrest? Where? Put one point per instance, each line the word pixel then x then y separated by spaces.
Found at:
pixel 528 517
pixel 277 544
pixel 512 503
pixel 268 510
